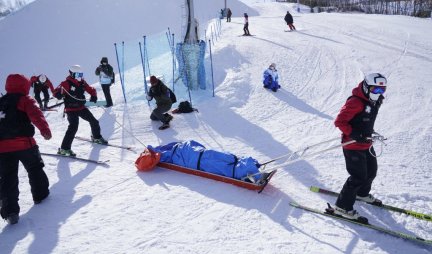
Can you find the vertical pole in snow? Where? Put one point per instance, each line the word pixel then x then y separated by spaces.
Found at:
pixel 123 60
pixel 173 61
pixel 211 64
pixel 120 72
pixel 146 57
pixel 143 66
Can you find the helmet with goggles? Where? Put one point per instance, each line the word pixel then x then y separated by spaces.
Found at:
pixel 374 85
pixel 76 71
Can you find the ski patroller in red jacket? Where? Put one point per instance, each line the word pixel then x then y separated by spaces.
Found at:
pixel 35 80
pixel 74 98
pixel 19 84
pixel 357 104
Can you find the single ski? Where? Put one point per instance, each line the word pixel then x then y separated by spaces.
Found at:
pixel 109 144
pixel 77 158
pixel 395 233
pixel 417 215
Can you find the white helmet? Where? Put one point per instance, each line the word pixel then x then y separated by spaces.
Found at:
pixel 374 85
pixel 76 71
pixel 42 78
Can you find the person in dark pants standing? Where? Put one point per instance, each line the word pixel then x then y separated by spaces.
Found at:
pixel 106 78
pixel 18 113
pixel 72 90
pixel 246 25
pixel 229 14
pixel 290 21
pixel 356 121
pixel 41 84
pixel 159 91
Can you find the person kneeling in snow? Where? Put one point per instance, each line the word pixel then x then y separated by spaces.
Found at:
pixel 159 91
pixel 193 155
pixel 271 78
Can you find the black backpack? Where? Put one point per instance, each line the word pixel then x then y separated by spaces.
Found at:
pixel 172 96
pixel 185 107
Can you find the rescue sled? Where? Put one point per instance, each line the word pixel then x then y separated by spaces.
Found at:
pixel 258 186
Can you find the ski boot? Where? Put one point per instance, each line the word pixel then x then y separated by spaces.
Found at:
pixel 66 152
pixel 371 200
pixel 100 140
pixel 12 218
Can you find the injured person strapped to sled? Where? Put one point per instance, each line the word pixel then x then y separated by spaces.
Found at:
pixel 193 155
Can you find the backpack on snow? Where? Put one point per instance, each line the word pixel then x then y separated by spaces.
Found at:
pixel 185 107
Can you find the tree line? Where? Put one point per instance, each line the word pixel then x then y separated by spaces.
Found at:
pixel 416 8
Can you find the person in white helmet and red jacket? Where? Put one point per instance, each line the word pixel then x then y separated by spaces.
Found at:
pixel 40 84
pixel 18 113
pixel 72 91
pixel 356 120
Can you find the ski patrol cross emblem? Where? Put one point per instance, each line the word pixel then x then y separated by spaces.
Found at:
pixel 368 109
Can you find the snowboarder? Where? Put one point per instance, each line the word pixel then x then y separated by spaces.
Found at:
pixel 160 92
pixel 106 78
pixel 290 21
pixel 246 24
pixel 271 78
pixel 229 14
pixel 72 90
pixel 41 84
pixel 356 121
pixel 18 114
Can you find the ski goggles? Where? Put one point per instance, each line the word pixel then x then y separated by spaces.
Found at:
pixel 377 89
pixel 78 74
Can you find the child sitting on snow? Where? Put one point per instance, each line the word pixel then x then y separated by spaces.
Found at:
pixel 271 78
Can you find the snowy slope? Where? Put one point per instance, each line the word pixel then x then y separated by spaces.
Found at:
pixel 94 209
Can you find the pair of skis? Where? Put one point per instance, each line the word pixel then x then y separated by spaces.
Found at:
pixel 100 162
pixel 329 212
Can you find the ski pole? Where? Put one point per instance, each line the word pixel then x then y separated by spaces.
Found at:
pixel 304 150
pixel 298 159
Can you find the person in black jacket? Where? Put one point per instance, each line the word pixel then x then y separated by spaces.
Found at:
pixel 160 92
pixel 246 24
pixel 229 14
pixel 290 21
pixel 106 78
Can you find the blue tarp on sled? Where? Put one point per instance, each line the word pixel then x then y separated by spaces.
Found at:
pixel 192 154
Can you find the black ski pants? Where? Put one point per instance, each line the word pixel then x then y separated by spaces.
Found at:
pixel 159 113
pixel 73 119
pixel 246 28
pixel 362 167
pixel 9 192
pixel 107 93
pixel 37 92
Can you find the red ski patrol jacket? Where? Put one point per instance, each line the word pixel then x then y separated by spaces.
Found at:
pixel 20 134
pixel 73 93
pixel 359 114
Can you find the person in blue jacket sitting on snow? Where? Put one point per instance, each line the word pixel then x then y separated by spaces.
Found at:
pixel 271 78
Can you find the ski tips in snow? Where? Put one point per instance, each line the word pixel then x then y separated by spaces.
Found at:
pixel 414 214
pixel 99 162
pixel 395 233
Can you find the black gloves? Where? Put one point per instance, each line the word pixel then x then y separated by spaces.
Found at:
pixel 58 95
pixel 93 99
pixel 358 137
